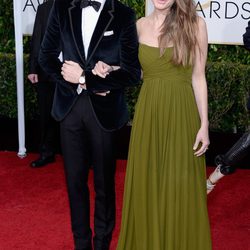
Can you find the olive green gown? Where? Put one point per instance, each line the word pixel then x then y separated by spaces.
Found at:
pixel 165 202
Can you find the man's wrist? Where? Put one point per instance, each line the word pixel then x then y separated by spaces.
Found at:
pixel 82 79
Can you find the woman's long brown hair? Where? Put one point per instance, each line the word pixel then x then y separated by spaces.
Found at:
pixel 180 29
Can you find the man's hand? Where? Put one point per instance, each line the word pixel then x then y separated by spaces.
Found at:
pixel 33 78
pixel 71 72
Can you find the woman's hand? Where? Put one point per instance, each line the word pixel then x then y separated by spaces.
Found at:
pixel 102 69
pixel 203 138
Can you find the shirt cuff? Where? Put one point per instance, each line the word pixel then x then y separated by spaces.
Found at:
pixel 79 89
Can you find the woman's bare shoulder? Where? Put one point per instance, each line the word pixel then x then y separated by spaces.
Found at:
pixel 140 24
pixel 201 23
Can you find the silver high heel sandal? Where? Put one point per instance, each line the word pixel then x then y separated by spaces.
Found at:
pixel 217 175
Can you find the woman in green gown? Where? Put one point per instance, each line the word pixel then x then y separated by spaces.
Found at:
pixel 165 202
pixel 165 206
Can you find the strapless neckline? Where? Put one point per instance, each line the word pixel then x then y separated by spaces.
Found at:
pixel 150 46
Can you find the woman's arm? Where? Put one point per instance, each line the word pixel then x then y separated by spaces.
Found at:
pixel 102 69
pixel 200 87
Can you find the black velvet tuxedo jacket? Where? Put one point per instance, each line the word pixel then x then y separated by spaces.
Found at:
pixel 246 37
pixel 119 47
pixel 42 17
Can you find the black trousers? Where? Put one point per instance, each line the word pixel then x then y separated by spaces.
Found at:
pixel 49 128
pixel 85 143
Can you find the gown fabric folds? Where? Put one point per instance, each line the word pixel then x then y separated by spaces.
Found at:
pixel 165 201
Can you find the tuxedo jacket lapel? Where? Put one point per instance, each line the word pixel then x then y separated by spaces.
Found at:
pixel 103 23
pixel 75 18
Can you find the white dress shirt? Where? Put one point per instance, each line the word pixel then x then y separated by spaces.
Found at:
pixel 89 21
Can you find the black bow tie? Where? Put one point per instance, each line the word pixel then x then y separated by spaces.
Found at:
pixel 85 3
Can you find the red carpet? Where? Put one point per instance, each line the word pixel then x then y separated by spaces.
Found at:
pixel 34 212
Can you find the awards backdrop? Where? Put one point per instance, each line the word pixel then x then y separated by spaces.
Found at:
pixel 29 8
pixel 226 20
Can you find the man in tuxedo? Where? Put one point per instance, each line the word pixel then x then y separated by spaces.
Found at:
pixel 45 90
pixel 91 108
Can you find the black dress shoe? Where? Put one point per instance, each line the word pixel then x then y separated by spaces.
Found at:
pixel 42 161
